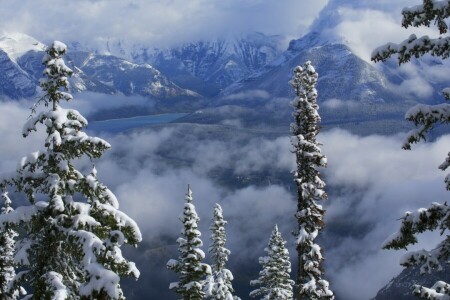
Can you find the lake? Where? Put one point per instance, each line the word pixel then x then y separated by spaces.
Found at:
pixel 124 124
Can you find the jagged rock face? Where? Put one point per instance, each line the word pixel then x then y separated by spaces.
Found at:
pixel 14 82
pixel 222 62
pixel 31 63
pixel 342 75
pixel 21 67
pixel 401 286
pixel 129 78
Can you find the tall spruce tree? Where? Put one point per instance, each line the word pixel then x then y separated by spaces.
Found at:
pixel 192 272
pixel 7 250
pixel 73 228
pixel 219 286
pixel 274 279
pixel 424 117
pixel 310 187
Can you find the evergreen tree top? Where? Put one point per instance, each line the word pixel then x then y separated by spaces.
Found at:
pixel 6 209
pixel 70 245
pixel 189 264
pixel 274 279
pixel 189 194
pixel 54 82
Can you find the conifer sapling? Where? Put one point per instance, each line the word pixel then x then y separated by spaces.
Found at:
pixel 191 271
pixel 72 228
pixel 8 289
pixel 219 286
pixel 274 279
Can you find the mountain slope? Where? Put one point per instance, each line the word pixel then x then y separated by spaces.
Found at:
pixel 208 66
pixel 401 286
pixel 21 68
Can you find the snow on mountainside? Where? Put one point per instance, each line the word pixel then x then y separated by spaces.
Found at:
pixel 14 81
pixel 128 78
pixel 17 44
pixel 203 66
pixel 21 67
pixel 223 62
pixel 342 74
pixel 401 286
pixel 351 89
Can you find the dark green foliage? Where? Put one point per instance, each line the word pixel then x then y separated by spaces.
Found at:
pixel 192 272
pixel 70 247
pixel 424 117
pixel 310 187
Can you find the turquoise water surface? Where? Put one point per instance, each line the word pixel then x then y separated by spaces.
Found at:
pixel 124 124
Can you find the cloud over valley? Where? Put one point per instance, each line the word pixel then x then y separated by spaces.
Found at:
pixel 370 182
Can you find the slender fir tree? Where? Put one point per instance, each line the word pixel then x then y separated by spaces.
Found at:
pixel 310 187
pixel 73 228
pixel 7 249
pixel 424 117
pixel 219 286
pixel 192 272
pixel 274 279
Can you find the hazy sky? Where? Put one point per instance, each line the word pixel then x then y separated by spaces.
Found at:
pixel 157 22
pixel 364 24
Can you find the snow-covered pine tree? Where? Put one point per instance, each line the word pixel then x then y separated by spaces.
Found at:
pixel 310 187
pixel 274 279
pixel 73 228
pixel 192 272
pixel 7 249
pixel 424 117
pixel 219 286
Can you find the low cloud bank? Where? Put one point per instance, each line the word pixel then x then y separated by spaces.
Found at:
pixel 371 181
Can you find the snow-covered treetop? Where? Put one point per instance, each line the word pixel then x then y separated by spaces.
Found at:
pixel 189 194
pixel 310 186
pixel 55 75
pixel 218 238
pixel 6 209
pixel 274 279
pixel 71 240
pixel 189 266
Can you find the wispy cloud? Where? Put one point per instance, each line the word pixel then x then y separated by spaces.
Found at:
pixel 156 23
pixel 370 181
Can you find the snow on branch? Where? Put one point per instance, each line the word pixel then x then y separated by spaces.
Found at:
pixel 424 118
pixel 413 47
pixel 425 14
pixel 439 291
pixel 424 219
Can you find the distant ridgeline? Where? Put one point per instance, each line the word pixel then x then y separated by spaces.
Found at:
pixel 249 72
pixel 400 287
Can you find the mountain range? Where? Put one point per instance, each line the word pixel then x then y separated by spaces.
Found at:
pixel 244 77
pixel 244 73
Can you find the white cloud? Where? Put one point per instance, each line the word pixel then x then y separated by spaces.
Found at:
pixel 379 181
pixel 370 180
pixel 338 103
pixel 13 146
pixel 366 29
pixel 156 23
pixel 248 95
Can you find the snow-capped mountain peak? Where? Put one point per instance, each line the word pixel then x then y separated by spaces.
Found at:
pixel 17 44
